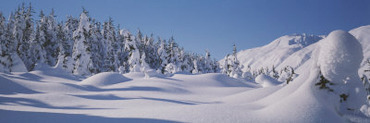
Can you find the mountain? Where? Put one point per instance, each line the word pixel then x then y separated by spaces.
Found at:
pixel 274 53
pixel 294 50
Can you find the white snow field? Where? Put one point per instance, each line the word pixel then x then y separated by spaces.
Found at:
pixel 52 95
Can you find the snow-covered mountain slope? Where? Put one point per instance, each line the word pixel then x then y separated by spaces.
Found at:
pixel 295 50
pixel 275 52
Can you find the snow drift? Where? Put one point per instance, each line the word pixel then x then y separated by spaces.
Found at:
pixel 104 79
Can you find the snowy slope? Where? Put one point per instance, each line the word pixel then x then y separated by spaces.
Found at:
pixel 275 52
pixel 111 97
pixel 295 50
pixel 53 95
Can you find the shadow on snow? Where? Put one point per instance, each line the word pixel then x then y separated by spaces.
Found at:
pixel 40 117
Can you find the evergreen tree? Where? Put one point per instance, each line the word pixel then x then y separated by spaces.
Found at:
pixel 5 52
pixel 82 47
pixel 111 60
pixel 195 69
pixel 121 52
pixel 65 36
pixel 133 54
pixel 208 63
pixel 22 30
pixel 163 57
pixel 144 66
pixel 232 65
pixel 97 48
pixel 51 41
pixel 37 51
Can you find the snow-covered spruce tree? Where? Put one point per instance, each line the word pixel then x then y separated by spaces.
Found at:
pixel 366 83
pixel 172 51
pixel 65 60
pixel 22 30
pixel 51 43
pixel 144 66
pixel 185 64
pixel 121 53
pixel 163 57
pixel 133 53
pixel 225 66
pixel 365 79
pixel 195 67
pixel 287 74
pixel 151 52
pixel 139 41
pixel 274 73
pixel 208 63
pixel 5 52
pixel 97 47
pixel 37 51
pixel 109 38
pixel 232 65
pixel 82 47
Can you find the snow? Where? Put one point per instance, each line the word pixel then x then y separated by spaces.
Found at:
pixel 362 35
pixel 104 79
pixel 18 65
pixel 50 94
pixel 274 53
pixel 266 81
pixel 131 97
pixel 340 55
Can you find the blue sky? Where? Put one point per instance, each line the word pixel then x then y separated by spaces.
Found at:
pixel 215 24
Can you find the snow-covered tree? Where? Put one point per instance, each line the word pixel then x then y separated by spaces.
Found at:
pixel 232 66
pixel 22 30
pixel 65 36
pixel 287 74
pixel 163 57
pixel 110 44
pixel 195 69
pixel 208 63
pixel 82 48
pixel 5 44
pixel 51 40
pixel 37 51
pixel 144 66
pixel 133 53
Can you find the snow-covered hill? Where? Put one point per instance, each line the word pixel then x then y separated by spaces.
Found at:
pixel 294 50
pixel 274 53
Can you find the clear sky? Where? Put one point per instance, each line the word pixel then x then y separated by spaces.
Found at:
pixel 215 24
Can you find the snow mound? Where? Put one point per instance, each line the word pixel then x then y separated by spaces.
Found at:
pixel 104 79
pixel 339 58
pixel 266 81
pixel 44 69
pixel 136 75
pixel 340 55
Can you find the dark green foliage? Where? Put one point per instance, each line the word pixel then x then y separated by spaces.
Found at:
pixel 343 97
pixel 323 83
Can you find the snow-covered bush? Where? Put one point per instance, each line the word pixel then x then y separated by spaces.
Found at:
pixel 339 58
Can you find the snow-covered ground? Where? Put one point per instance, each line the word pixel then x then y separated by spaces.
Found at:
pixel 52 95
